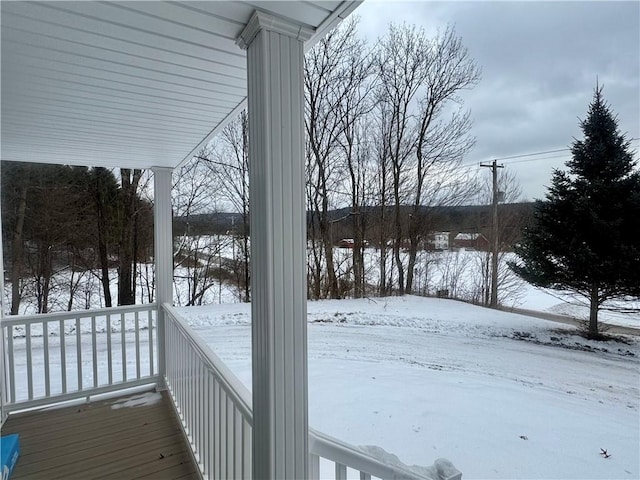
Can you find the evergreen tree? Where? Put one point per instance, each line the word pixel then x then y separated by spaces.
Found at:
pixel 586 234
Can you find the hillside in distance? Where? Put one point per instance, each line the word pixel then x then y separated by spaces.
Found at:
pixel 466 218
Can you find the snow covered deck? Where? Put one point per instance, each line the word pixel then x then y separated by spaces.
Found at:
pixel 138 436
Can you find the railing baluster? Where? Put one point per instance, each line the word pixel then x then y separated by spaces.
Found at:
pixel 63 356
pixel 12 367
pixel 47 369
pixel 180 380
pixel 200 411
pixel 137 329
pixel 210 424
pixel 231 440
pixel 109 351
pixel 190 404
pixel 123 344
pixel 150 325
pixel 237 435
pixel 184 379
pixel 79 352
pixel 314 467
pixel 193 399
pixel 27 333
pixel 171 360
pixel 214 428
pixel 204 453
pixel 224 433
pixel 94 357
pixel 247 464
pixel 218 429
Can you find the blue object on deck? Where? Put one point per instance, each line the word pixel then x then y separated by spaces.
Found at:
pixel 10 451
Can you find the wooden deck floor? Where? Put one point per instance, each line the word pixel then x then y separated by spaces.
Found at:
pixel 94 440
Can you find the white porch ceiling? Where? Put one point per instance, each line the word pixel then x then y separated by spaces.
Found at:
pixel 128 84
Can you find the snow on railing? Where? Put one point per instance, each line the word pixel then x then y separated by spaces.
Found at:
pixel 62 356
pixel 213 405
pixel 368 462
pixel 215 410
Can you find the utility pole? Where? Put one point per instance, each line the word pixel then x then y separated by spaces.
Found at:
pixel 493 302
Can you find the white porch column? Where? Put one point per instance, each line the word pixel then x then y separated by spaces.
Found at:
pixel 278 241
pixel 163 255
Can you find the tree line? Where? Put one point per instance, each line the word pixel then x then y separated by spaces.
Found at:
pixel 386 133
pixel 75 223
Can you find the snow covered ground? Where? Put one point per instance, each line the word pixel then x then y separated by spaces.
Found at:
pixel 458 271
pixel 624 313
pixel 499 394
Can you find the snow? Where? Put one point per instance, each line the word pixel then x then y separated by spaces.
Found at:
pixel 501 395
pixel 622 313
pixel 141 400
pixel 459 271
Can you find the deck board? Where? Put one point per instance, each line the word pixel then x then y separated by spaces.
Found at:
pixel 92 441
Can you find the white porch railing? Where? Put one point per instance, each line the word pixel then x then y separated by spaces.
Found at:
pixel 66 355
pixel 213 405
pixel 215 410
pixel 341 461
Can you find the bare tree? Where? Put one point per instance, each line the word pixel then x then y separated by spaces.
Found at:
pixel 194 254
pixel 382 193
pixel 353 117
pixel 440 180
pixel 401 72
pixel 228 166
pixel 103 189
pixel 130 181
pixel 356 153
pixel 17 257
pixel 419 79
pixel 334 71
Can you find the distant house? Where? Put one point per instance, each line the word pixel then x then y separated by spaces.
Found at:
pixel 471 241
pixel 346 243
pixel 438 241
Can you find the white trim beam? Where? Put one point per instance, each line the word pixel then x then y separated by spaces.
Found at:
pixel 275 54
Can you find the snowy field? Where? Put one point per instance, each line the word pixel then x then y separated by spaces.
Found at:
pixel 501 395
pixel 458 271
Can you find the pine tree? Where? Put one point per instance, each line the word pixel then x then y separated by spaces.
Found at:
pixel 586 234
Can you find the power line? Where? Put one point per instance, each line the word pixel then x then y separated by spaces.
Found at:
pixel 536 159
pixel 533 154
pixel 525 155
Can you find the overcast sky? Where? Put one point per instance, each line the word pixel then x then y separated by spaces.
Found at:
pixel 539 65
